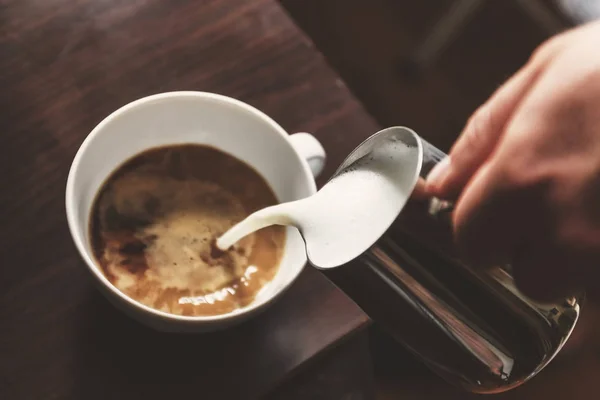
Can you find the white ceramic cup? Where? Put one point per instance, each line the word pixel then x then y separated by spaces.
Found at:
pixel 289 163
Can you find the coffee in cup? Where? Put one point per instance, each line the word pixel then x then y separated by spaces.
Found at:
pixel 154 222
pixel 287 162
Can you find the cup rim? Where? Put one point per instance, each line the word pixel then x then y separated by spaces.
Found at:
pixel 79 242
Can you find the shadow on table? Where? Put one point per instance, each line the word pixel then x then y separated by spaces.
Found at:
pixel 115 354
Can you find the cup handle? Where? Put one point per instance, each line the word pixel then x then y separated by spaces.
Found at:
pixel 309 148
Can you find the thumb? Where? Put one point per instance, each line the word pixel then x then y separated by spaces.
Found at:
pixel 480 135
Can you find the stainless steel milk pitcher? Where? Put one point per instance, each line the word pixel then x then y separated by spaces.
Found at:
pixel 474 328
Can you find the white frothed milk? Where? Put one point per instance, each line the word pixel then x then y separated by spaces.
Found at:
pixel 351 212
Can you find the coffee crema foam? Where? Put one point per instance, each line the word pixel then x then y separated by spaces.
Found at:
pixel 155 221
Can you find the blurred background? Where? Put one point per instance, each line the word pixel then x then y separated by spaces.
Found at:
pixel 429 64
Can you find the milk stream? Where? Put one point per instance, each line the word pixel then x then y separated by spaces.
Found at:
pixel 350 212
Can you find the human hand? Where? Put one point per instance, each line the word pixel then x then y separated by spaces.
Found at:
pixel 526 170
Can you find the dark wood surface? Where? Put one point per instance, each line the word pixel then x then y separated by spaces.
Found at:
pixel 65 65
pixel 344 372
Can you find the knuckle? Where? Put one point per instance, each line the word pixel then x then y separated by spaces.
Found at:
pixel 522 172
pixel 544 51
pixel 512 174
pixel 522 190
pixel 476 130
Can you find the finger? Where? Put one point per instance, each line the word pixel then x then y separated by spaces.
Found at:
pixel 419 192
pixel 479 137
pixel 490 219
pixel 502 208
pixel 482 132
pixel 499 207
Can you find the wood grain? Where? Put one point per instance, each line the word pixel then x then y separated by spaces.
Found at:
pixel 345 372
pixel 65 65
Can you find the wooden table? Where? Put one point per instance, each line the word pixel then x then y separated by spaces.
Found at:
pixel 65 65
